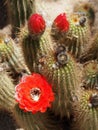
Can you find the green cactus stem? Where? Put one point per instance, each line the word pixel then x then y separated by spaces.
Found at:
pixel 33 49
pixel 77 36
pixel 38 121
pixel 59 67
pixel 7 92
pixel 19 12
pixel 91 52
pixel 86 111
pixel 10 55
pixel 90 76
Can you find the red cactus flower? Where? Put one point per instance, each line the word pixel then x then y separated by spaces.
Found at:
pixel 61 23
pixel 36 24
pixel 34 93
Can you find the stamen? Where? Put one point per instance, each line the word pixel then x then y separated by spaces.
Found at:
pixel 35 94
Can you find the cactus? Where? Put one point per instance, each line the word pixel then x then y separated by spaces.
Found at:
pixel 19 12
pixel 32 41
pixel 86 111
pixel 10 57
pixel 92 51
pixel 36 121
pixel 48 89
pixel 7 99
pixel 59 68
pixel 53 61
pixel 90 77
pixel 25 119
pixel 74 37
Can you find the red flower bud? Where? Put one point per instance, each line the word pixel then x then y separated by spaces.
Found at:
pixel 36 24
pixel 61 23
pixel 34 93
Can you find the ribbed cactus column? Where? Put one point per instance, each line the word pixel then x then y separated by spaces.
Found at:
pixel 86 111
pixel 54 62
pixel 34 95
pixel 85 108
pixel 6 47
pixel 92 51
pixel 32 41
pixel 74 33
pixel 11 58
pixel 28 121
pixel 19 12
pixel 59 67
pixel 38 121
pixel 7 91
pixel 90 76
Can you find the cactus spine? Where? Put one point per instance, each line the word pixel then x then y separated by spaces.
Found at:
pixel 60 73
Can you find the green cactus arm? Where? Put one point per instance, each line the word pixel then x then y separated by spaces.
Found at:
pixel 74 38
pixel 61 76
pixel 37 121
pixel 86 111
pixel 6 91
pixel 33 49
pixel 41 55
pixel 19 12
pixel 64 85
pixel 92 51
pixel 90 76
pixel 11 56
